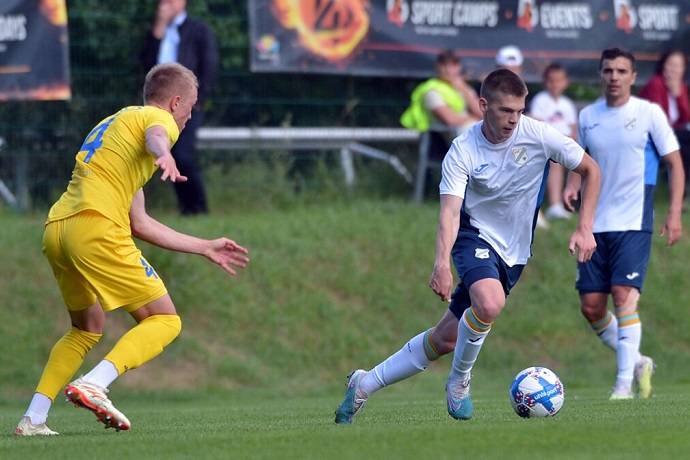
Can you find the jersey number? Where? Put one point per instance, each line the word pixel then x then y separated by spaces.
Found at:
pixel 90 146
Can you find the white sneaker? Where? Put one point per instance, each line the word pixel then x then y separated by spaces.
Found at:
pixel 644 369
pixel 26 428
pixel 541 221
pixel 620 393
pixel 93 398
pixel 557 211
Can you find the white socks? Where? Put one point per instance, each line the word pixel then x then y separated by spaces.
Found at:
pixel 628 351
pixel 38 409
pixel 411 359
pixel 102 375
pixel 471 334
pixel 607 330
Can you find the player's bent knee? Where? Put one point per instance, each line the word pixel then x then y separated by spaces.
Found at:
pixel 625 298
pixel 593 312
pixel 174 322
pixel 488 311
pixel 145 341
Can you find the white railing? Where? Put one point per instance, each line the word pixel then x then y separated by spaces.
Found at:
pixel 345 140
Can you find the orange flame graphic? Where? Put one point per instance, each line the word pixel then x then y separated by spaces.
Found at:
pixel 331 29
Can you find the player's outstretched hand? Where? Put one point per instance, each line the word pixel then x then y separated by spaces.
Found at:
pixel 672 229
pixel 169 168
pixel 441 282
pixel 227 254
pixel 582 245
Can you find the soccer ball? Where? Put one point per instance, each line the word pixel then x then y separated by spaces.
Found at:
pixel 536 392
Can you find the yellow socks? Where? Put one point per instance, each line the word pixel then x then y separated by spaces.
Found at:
pixel 65 359
pixel 144 341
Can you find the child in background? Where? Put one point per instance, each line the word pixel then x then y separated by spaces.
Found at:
pixel 559 111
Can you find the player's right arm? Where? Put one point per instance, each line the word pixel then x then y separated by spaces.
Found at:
pixel 449 222
pixel 454 180
pixel 158 145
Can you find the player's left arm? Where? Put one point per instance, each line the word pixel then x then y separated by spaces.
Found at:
pixel 567 152
pixel 665 141
pixel 222 251
pixel 673 227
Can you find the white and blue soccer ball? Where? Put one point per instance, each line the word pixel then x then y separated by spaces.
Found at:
pixel 536 392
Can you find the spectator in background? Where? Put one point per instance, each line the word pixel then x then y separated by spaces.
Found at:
pixel 559 111
pixel 510 57
pixel 444 105
pixel 175 37
pixel 667 88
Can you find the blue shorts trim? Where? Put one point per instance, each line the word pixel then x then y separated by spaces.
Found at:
pixel 475 260
pixel 621 259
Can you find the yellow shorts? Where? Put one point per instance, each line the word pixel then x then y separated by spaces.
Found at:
pixel 95 259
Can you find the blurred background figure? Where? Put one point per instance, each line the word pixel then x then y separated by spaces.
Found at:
pixel 558 110
pixel 444 105
pixel 510 57
pixel 175 37
pixel 667 88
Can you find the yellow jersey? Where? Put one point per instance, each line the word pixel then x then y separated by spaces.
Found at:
pixel 113 164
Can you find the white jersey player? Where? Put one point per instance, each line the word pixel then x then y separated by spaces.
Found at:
pixel 490 194
pixel 627 137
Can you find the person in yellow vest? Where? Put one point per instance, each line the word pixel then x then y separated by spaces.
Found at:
pixel 445 104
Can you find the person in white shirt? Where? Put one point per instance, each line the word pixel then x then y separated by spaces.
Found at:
pixel 490 194
pixel 627 136
pixel 553 107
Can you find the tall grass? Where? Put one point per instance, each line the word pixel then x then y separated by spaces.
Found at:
pixel 331 287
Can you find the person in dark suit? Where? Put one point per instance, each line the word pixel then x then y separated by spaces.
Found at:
pixel 175 37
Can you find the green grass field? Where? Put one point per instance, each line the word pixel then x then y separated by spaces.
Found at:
pixel 260 365
pixel 408 422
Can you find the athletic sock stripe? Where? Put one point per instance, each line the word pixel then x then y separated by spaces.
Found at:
pixel 602 323
pixel 475 323
pixel 628 320
pixel 429 348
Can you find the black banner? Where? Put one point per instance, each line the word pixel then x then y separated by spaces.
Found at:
pixel 402 37
pixel 34 59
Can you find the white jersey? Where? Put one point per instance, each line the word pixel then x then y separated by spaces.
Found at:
pixel 502 184
pixel 559 113
pixel 627 142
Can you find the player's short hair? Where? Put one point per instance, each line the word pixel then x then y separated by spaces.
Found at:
pixel 553 67
pixel 613 53
pixel 446 57
pixel 502 81
pixel 164 80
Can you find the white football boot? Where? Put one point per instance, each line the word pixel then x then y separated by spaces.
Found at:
pixel 93 398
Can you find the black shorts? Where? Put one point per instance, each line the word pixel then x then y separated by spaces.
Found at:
pixel 475 260
pixel 621 259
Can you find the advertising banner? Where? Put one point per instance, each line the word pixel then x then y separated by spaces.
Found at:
pixel 34 55
pixel 402 37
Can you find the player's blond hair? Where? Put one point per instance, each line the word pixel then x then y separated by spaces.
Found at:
pixel 166 80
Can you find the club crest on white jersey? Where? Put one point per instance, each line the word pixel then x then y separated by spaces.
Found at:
pixel 520 155
pixel 481 253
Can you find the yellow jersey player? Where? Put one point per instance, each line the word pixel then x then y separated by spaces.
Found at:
pixel 88 242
